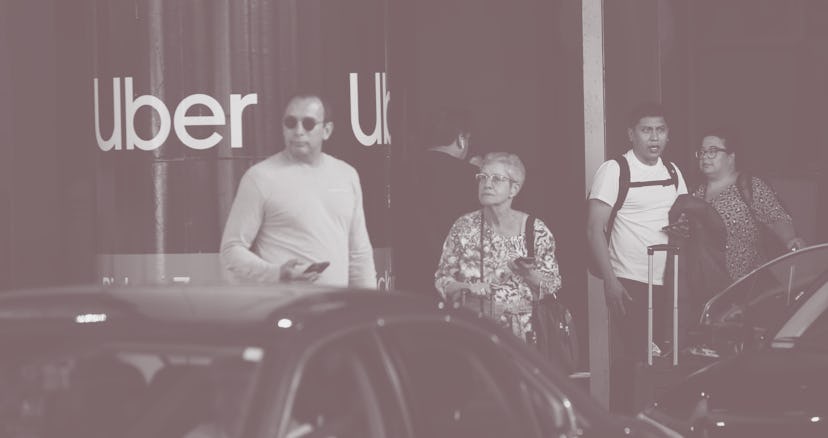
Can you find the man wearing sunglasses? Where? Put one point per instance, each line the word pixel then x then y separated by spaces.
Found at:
pixel 299 207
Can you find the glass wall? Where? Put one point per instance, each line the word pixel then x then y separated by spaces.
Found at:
pixel 164 189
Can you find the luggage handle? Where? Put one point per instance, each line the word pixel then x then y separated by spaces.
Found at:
pixel 669 249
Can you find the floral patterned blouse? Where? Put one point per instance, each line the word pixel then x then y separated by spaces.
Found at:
pixel 742 253
pixel 460 261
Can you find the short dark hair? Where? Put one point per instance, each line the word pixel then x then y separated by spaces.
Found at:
pixel 312 94
pixel 646 109
pixel 445 124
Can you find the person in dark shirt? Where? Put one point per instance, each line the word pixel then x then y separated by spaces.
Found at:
pixel 444 188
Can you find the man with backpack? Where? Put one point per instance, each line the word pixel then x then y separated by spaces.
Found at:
pixel 629 203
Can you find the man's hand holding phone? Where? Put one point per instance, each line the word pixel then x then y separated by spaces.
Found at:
pixel 317 267
pixel 294 270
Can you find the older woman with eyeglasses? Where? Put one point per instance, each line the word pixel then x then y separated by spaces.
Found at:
pixel 485 252
pixel 729 191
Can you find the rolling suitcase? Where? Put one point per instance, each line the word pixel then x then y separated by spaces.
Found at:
pixel 657 374
pixel 651 250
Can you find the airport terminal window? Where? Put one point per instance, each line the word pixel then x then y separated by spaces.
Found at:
pixel 454 383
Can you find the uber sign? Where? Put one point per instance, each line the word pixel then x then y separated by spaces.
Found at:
pixel 130 140
pixel 180 120
pixel 380 134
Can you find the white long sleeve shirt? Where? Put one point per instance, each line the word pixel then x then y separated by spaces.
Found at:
pixel 284 210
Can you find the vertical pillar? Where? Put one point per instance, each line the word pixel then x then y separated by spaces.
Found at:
pixel 629 57
pixel 594 152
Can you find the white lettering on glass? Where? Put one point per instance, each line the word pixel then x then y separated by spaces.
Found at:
pixel 163 123
pixel 381 134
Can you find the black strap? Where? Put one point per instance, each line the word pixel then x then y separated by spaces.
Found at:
pixel 623 188
pixel 481 245
pixel 744 186
pixel 529 242
pixel 659 182
pixel 744 183
pixel 529 236
pixel 491 293
pixel 624 185
pixel 671 169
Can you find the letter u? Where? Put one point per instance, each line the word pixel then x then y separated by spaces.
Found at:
pixel 376 136
pixel 114 140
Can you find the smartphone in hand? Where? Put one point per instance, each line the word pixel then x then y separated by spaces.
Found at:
pixel 525 261
pixel 679 229
pixel 317 267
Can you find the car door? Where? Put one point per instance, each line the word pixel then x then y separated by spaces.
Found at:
pixel 340 388
pixel 458 381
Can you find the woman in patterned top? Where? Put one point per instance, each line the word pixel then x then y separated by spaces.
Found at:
pixel 480 254
pixel 717 161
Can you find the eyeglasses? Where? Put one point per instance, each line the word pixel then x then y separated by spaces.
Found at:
pixel 309 123
pixel 495 178
pixel 709 153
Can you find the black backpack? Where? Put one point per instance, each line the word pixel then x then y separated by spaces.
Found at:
pixel 624 185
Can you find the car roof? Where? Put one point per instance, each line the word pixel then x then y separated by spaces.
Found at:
pixel 196 304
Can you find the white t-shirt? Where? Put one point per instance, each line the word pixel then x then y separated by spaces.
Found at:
pixel 284 210
pixel 641 217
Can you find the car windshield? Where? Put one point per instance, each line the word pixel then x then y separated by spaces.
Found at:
pixel 129 390
pixel 761 299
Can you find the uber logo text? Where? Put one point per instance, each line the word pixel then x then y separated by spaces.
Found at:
pixel 180 120
pixel 380 135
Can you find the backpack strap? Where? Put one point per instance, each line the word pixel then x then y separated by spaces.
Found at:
pixel 624 185
pixel 671 169
pixel 673 180
pixel 529 236
pixel 623 189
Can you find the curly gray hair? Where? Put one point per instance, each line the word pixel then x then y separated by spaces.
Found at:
pixel 514 166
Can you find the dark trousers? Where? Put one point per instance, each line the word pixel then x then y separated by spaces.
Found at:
pixel 628 341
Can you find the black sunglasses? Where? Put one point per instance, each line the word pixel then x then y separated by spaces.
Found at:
pixel 309 123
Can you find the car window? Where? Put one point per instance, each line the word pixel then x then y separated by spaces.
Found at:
pixel 343 392
pixel 817 333
pixel 125 391
pixel 808 327
pixel 761 299
pixel 454 384
pixel 552 409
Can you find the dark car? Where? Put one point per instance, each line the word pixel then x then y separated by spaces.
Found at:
pixel 274 362
pixel 770 333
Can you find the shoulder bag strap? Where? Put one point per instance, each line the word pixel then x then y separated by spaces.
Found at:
pixel 529 241
pixel 481 245
pixel 744 184
pixel 529 236
pixel 491 293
